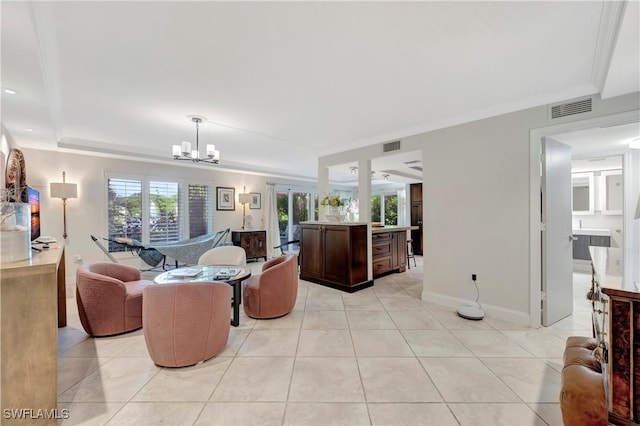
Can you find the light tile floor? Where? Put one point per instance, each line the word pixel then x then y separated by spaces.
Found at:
pixel 380 356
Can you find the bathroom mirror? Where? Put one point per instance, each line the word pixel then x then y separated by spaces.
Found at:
pixel 611 192
pixel 582 193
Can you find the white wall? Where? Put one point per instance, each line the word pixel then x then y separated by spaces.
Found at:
pixel 87 214
pixel 476 211
pixel 479 204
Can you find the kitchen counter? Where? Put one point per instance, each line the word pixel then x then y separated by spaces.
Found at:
pixel 388 228
pixel 592 231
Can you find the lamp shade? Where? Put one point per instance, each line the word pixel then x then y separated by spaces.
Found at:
pixel 244 198
pixel 63 190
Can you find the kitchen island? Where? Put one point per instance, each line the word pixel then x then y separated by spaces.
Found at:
pixel 336 254
pixel 389 249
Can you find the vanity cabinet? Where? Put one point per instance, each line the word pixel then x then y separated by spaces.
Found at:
pixel 253 243
pixel 334 255
pixel 389 251
pixel 581 245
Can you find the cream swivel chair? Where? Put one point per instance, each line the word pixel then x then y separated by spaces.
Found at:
pixel 186 322
pixel 224 255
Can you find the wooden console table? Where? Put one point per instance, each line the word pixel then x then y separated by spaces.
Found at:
pixel 33 305
pixel 624 336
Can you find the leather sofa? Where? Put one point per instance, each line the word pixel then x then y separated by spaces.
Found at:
pixel 582 394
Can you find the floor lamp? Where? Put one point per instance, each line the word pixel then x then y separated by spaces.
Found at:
pixel 64 190
pixel 244 199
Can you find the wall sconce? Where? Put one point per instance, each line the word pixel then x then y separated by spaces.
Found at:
pixel 244 199
pixel 64 190
pixel 353 170
pixel 385 177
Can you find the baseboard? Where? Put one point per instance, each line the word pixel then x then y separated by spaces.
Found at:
pixel 497 312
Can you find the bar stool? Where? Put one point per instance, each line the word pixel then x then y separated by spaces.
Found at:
pixel 410 254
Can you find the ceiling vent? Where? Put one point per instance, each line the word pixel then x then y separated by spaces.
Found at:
pixel 391 146
pixel 571 108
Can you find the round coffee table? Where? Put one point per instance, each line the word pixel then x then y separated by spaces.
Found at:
pixel 230 274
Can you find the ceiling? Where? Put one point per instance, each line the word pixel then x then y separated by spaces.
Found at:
pixel 281 83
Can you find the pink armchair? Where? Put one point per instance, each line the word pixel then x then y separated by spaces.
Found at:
pixel 109 298
pixel 186 322
pixel 273 292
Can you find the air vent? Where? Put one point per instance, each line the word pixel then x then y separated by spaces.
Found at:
pixel 391 146
pixel 571 108
pixel 416 168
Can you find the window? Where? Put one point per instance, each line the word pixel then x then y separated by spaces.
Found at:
pixel 300 212
pixel 384 208
pixel 283 216
pixel 391 209
pixel 124 211
pixel 293 208
pixel 199 210
pixel 375 208
pixel 164 212
pixel 154 211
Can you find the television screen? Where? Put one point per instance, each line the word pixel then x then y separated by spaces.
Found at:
pixel 34 204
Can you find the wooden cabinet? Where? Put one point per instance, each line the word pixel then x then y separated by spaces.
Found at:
pixel 253 243
pixel 415 193
pixel 32 295
pixel 622 321
pixel 581 245
pixel 389 251
pixel 334 255
pixel 624 356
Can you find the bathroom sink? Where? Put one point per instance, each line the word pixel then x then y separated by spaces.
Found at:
pixel 592 231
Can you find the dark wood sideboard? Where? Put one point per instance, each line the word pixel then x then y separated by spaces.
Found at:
pixel 252 241
pixel 624 336
pixel 334 255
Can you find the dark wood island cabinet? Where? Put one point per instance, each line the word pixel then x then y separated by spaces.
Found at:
pixel 334 255
pixel 389 246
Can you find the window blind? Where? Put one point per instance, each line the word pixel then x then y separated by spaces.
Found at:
pixel 200 211
pixel 124 211
pixel 164 212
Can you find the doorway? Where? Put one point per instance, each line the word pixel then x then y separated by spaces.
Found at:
pixel 590 148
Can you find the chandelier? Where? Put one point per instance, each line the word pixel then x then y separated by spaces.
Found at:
pixel 184 152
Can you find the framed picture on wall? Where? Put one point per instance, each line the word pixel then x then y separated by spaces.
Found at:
pixel 256 200
pixel 225 198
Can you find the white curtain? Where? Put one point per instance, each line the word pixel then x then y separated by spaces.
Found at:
pixel 271 221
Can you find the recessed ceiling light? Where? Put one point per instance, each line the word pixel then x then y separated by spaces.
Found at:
pixel 28 130
pixel 635 143
pixel 10 91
